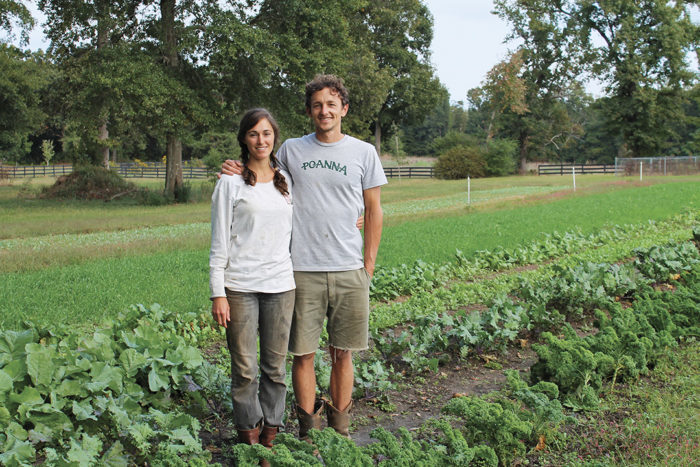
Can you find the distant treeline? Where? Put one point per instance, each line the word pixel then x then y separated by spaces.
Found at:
pixel 141 79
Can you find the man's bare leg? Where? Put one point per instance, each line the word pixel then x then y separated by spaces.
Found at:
pixel 304 381
pixel 342 378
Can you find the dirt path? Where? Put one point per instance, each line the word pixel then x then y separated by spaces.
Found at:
pixel 420 397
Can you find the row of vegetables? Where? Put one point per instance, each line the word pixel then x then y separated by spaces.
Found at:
pixel 139 390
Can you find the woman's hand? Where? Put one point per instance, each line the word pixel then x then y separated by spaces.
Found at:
pixel 360 222
pixel 220 311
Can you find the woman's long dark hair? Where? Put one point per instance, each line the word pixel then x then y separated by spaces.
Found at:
pixel 249 120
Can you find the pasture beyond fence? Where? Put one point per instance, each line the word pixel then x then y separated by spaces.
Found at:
pixel 157 170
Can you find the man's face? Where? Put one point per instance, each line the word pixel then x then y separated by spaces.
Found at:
pixel 326 110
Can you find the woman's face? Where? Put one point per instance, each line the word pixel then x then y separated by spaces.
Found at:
pixel 260 140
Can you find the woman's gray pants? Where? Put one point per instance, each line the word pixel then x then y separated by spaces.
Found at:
pixel 270 314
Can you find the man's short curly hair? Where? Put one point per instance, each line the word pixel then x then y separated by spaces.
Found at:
pixel 331 82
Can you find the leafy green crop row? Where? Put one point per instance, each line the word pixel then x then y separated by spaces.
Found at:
pixel 628 340
pixel 110 398
pixel 391 282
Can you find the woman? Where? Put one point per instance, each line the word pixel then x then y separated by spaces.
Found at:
pixel 251 278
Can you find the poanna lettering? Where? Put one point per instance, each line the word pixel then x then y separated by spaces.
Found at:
pixel 319 164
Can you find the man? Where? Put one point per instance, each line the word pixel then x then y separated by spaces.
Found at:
pixel 335 177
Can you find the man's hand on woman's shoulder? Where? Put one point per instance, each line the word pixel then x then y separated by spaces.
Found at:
pixel 230 167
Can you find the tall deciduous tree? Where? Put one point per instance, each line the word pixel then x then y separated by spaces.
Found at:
pixel 23 81
pixel 503 90
pixel 399 34
pixel 81 33
pixel 174 37
pixel 640 48
pixel 302 38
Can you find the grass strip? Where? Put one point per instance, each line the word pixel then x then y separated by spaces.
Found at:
pixel 436 239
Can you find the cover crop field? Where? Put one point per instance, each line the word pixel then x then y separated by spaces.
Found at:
pixel 522 328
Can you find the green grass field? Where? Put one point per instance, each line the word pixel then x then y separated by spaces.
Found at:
pixel 76 262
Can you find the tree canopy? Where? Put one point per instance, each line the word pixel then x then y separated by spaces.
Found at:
pixel 146 79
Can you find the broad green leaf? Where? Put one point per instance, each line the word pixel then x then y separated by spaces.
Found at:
pixel 5 382
pixel 99 345
pixel 192 357
pixel 52 419
pixel 71 387
pixel 30 396
pixel 4 418
pixel 132 361
pixel 104 376
pixel 13 342
pixel 176 376
pixel 41 434
pixel 15 430
pixel 85 452
pixel 40 364
pixel 16 369
pixel 16 452
pixel 83 410
pixel 115 456
pixel 156 380
pixel 134 391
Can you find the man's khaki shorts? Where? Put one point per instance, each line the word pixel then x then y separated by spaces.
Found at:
pixel 341 296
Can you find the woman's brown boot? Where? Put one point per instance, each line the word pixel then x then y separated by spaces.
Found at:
pixel 267 436
pixel 249 436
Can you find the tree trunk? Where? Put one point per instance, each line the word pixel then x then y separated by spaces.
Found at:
pixel 489 130
pixel 523 154
pixel 102 136
pixel 378 137
pixel 173 168
pixel 102 131
pixel 173 165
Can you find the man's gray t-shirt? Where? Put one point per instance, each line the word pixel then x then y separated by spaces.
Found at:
pixel 329 179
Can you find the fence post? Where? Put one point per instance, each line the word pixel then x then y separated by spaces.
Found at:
pixel 469 190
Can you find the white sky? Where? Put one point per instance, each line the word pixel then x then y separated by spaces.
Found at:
pixel 467 42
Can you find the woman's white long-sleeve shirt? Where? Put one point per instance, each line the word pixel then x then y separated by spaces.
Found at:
pixel 251 228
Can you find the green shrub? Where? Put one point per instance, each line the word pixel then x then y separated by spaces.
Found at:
pixel 499 155
pixel 460 162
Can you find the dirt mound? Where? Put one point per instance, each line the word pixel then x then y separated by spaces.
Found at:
pixel 89 182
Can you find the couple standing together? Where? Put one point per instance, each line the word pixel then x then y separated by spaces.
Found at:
pixel 286 253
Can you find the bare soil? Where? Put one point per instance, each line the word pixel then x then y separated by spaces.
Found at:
pixel 421 397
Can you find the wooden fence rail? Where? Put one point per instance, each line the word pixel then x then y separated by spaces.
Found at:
pixel 21 171
pixel 409 172
pixel 566 169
